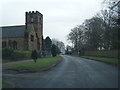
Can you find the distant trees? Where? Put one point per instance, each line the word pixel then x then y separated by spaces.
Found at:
pixel 53 46
pixel 54 50
pixel 60 45
pixel 98 33
pixel 68 50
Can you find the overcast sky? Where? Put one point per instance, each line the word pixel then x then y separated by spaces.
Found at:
pixel 59 16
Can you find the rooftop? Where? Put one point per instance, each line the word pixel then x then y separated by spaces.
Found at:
pixel 13 31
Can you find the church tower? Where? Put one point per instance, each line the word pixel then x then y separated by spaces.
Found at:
pixel 34 31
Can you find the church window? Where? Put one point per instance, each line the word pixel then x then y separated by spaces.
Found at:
pixel 32 38
pixel 4 44
pixel 31 20
pixel 14 45
pixel 10 43
pixel 36 35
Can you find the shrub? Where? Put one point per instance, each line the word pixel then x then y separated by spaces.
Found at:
pixel 7 53
pixel 13 55
pixel 34 55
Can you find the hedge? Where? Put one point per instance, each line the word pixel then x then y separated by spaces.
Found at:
pixel 103 53
pixel 13 55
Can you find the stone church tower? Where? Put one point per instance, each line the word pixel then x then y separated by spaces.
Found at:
pixel 25 37
pixel 34 31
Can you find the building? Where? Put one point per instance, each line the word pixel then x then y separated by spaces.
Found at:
pixel 25 37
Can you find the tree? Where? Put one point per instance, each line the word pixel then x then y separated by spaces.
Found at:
pixel 60 45
pixel 68 50
pixel 88 35
pixel 34 55
pixel 101 32
pixel 113 15
pixel 48 44
pixel 54 50
pixel 75 36
pixel 93 33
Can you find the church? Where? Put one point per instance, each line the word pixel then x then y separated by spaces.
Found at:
pixel 25 37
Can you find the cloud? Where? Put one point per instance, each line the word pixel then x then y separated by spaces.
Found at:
pixel 51 1
pixel 59 15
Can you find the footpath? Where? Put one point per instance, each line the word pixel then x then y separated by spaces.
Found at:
pixel 4 65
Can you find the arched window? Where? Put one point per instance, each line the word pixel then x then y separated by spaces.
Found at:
pixel 4 44
pixel 14 45
pixel 9 43
pixel 32 38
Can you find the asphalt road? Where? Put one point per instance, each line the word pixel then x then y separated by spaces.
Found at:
pixel 72 72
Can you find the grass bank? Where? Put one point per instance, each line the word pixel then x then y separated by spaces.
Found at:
pixel 39 65
pixel 103 53
pixel 107 60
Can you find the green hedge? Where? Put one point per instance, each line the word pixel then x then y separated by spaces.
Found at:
pixel 103 53
pixel 13 55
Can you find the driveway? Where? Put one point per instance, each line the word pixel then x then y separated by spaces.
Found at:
pixel 72 72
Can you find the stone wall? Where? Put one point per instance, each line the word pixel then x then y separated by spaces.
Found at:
pixel 32 45
pixel 9 42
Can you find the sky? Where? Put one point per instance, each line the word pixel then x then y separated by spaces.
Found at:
pixel 59 16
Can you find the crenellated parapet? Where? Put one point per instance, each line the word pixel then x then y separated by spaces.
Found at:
pixel 34 13
pixel 34 17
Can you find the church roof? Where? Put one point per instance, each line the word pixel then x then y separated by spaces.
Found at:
pixel 13 31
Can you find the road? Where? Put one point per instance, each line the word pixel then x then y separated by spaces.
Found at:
pixel 72 72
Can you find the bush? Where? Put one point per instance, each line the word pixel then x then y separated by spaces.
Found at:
pixel 20 56
pixel 13 55
pixel 34 55
pixel 7 53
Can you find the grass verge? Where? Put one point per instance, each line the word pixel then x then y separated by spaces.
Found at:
pixel 39 65
pixel 107 60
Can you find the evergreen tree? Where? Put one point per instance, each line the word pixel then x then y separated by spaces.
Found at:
pixel 34 55
pixel 48 44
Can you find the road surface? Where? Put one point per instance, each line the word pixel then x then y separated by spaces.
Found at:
pixel 72 72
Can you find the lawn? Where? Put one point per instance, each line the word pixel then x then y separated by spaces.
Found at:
pixel 107 60
pixel 40 64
